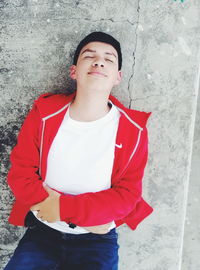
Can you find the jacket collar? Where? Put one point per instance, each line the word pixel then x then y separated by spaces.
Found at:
pixel 57 103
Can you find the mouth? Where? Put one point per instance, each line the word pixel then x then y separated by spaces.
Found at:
pixel 97 73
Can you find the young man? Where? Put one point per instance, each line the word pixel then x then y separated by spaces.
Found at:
pixel 77 168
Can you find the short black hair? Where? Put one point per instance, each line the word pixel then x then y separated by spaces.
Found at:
pixel 101 37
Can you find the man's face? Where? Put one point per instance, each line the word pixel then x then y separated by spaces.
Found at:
pixel 97 67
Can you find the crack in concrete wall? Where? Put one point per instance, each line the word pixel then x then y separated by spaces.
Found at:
pixel 134 53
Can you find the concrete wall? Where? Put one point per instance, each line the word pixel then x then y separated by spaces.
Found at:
pixel 191 245
pixel 160 46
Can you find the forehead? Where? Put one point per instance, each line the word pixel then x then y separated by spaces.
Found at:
pixel 100 47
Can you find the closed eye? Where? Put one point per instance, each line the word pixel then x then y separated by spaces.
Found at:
pixel 93 57
pixel 109 60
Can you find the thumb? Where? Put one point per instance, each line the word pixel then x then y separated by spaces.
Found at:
pixel 48 189
pixel 51 191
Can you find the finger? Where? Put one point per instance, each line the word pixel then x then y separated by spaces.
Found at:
pixel 39 215
pixel 48 189
pixel 35 207
pixel 51 192
pixel 105 226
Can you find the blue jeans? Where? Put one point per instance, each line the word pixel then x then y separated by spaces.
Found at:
pixel 43 248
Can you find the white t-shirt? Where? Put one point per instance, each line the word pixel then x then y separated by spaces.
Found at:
pixel 81 159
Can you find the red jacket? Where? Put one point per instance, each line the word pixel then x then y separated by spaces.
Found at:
pixel 122 203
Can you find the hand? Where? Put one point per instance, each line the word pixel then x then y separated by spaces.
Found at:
pixel 49 209
pixel 99 229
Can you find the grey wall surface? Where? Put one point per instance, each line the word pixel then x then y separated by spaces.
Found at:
pixel 161 56
pixel 191 244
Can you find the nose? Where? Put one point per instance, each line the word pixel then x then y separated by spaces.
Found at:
pixel 98 62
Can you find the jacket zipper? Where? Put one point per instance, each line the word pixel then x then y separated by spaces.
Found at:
pixel 41 147
pixel 132 154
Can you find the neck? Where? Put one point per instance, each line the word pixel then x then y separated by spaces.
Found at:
pixel 89 107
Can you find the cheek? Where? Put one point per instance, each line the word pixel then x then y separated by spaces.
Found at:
pixel 82 68
pixel 114 76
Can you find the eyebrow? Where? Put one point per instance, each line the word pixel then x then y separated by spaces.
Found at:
pixel 89 50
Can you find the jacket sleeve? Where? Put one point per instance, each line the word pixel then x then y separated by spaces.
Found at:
pixel 95 208
pixel 23 177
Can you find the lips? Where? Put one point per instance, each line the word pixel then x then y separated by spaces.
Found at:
pixel 97 73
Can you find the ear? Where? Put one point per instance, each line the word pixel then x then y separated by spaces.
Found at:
pixel 119 78
pixel 72 72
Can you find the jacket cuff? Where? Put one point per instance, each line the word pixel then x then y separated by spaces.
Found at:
pixel 142 210
pixel 67 209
